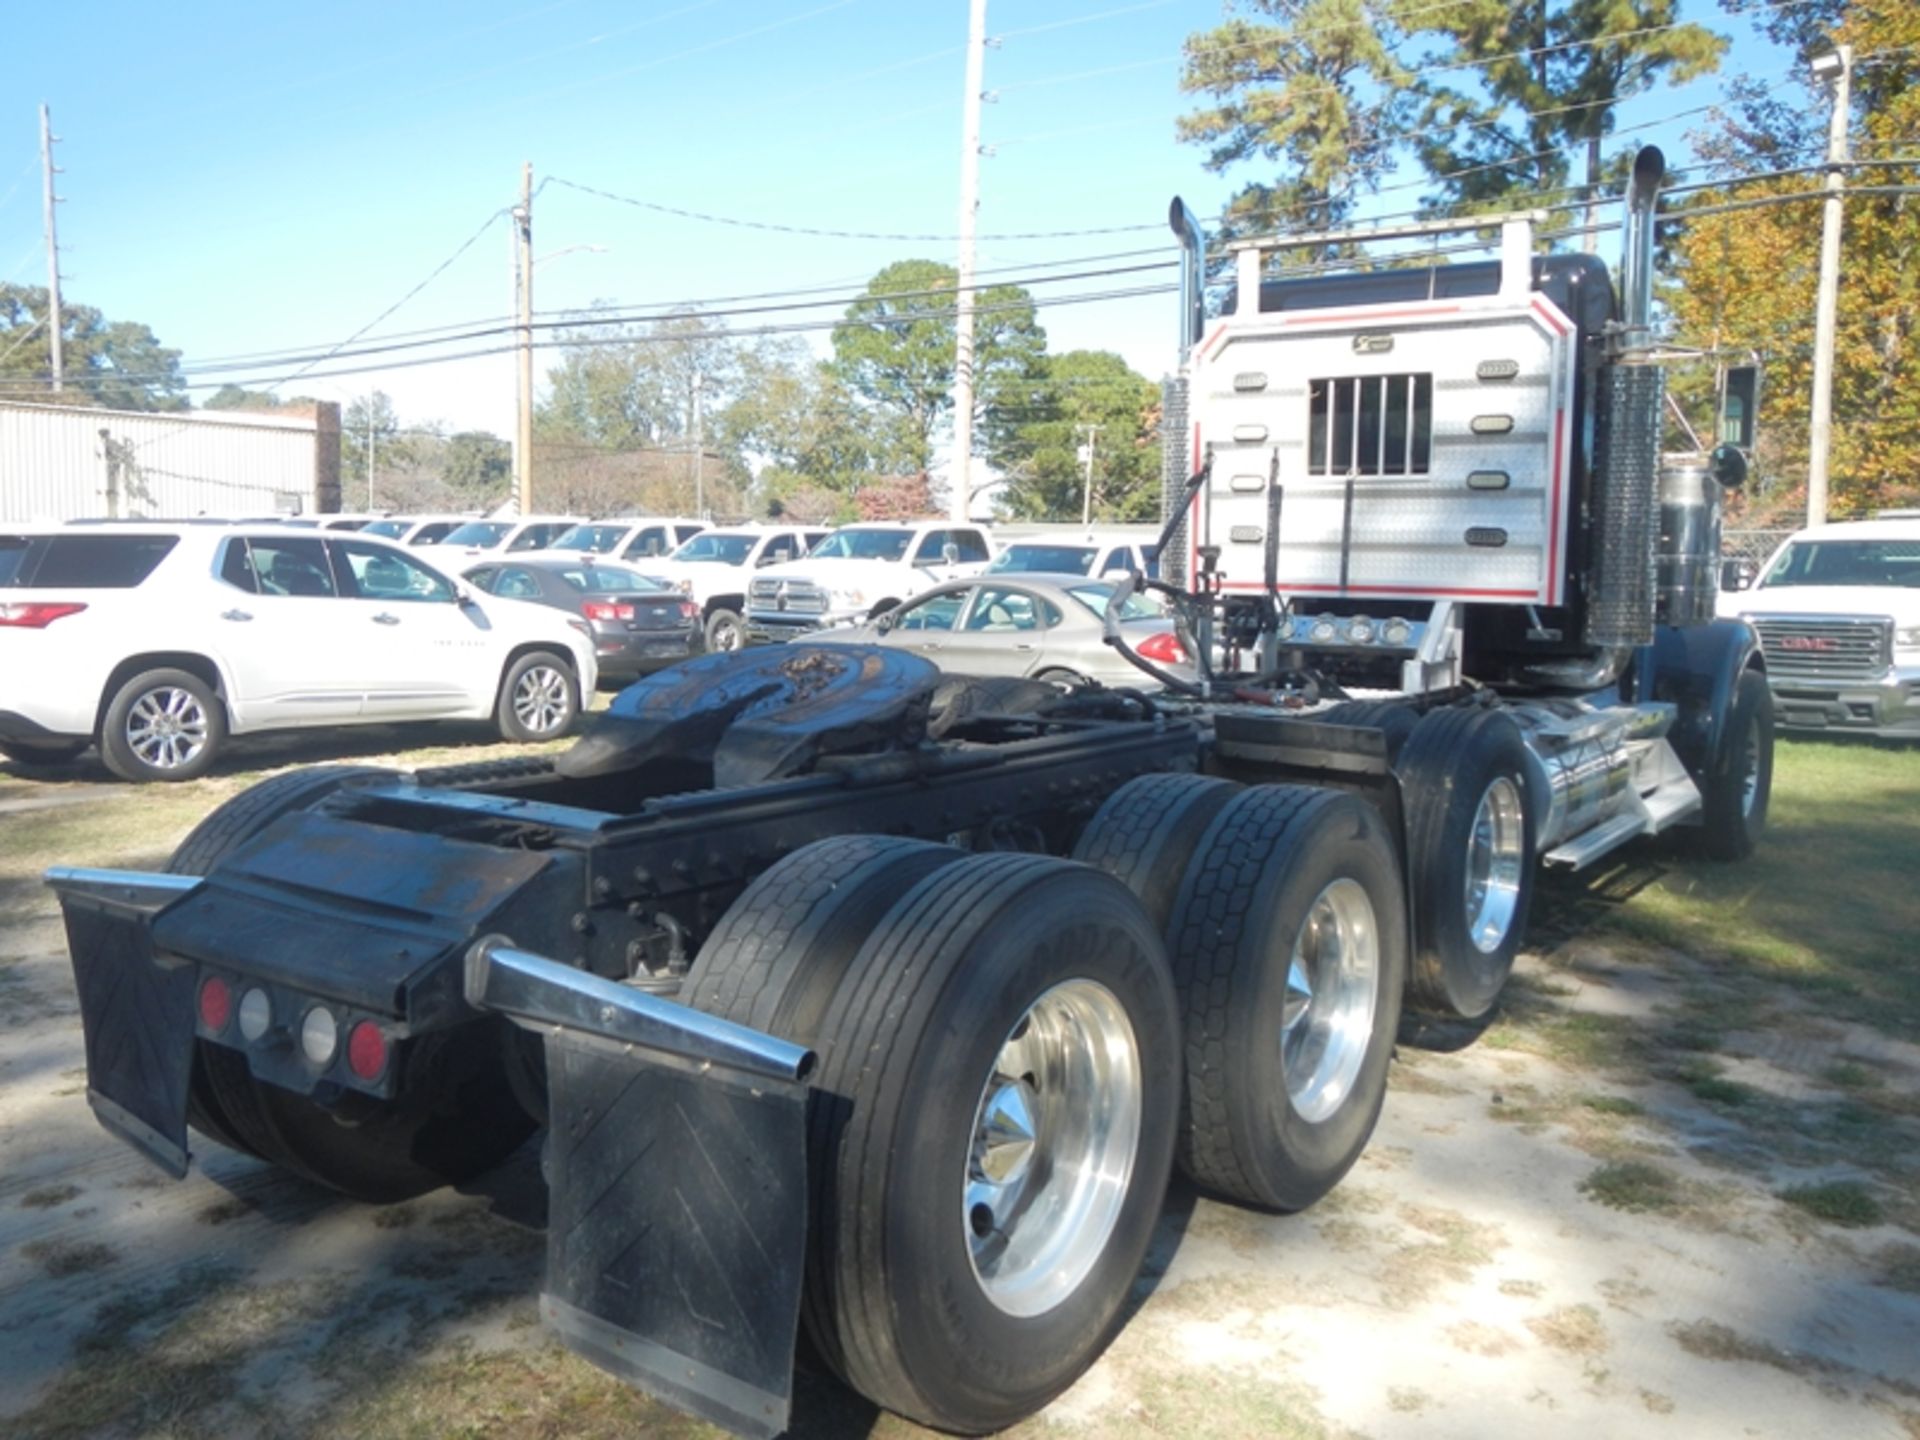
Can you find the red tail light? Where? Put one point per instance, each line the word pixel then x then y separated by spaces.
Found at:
pixel 689 610
pixel 367 1050
pixel 216 1003
pixel 36 614
pixel 1164 647
pixel 607 610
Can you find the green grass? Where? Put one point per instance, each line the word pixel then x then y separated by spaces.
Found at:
pixel 1826 905
pixel 1838 1202
pixel 1635 1186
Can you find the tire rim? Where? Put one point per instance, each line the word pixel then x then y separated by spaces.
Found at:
pixel 1332 988
pixel 1496 853
pixel 167 728
pixel 726 635
pixel 1053 1141
pixel 1750 770
pixel 540 699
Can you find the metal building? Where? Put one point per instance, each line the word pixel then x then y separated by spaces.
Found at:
pixel 62 462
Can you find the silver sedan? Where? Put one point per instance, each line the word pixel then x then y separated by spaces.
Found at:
pixel 1049 627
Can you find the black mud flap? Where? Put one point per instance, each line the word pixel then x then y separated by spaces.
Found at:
pixel 677 1196
pixel 136 1008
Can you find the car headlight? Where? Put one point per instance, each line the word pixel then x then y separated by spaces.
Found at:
pixel 1907 637
pixel 686 587
pixel 848 597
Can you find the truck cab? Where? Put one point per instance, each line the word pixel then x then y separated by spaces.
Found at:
pixel 861 570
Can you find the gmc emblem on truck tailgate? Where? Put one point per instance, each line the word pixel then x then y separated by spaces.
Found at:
pixel 1806 642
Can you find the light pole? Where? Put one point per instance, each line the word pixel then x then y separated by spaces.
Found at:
pixel 1836 68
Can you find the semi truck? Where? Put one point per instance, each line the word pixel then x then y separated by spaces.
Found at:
pixel 850 995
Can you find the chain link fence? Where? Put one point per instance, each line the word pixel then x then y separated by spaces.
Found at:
pixel 1754 545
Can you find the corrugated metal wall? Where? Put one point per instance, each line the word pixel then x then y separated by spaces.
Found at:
pixel 61 463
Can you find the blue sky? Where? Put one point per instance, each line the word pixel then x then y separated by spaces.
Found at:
pixel 246 178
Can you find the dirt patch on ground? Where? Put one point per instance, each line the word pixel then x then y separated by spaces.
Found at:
pixel 1665 1191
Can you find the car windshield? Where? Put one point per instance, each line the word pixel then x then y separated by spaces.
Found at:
pixel 1051 559
pixel 392 529
pixel 863 545
pixel 601 580
pixel 717 549
pixel 1846 562
pixel 481 534
pixel 597 538
pixel 1137 607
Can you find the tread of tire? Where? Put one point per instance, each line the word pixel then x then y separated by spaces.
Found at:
pixel 1204 934
pixel 743 970
pixel 1146 813
pixel 1424 769
pixel 860 1034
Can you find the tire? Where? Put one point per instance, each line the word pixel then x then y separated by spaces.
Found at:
pixel 1470 820
pixel 1146 831
pixel 725 631
pixel 1024 991
pixel 1292 888
pixel 1735 791
pixel 959 698
pixel 539 698
pixel 390 1151
pixel 162 725
pixel 35 753
pixel 1397 722
pixel 777 956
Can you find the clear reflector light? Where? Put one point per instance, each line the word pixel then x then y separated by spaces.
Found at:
pixel 319 1035
pixel 256 1014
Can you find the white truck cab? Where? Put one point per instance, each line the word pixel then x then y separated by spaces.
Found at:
pixel 861 570
pixel 714 568
pixel 1837 609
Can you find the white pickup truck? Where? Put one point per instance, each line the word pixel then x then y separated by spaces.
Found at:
pixel 861 570
pixel 714 568
pixel 1838 613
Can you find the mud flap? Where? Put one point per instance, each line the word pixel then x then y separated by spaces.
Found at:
pixel 136 1008
pixel 677 1197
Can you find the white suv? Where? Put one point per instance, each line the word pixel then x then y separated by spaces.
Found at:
pixel 157 641
pixel 1837 609
pixel 714 568
pixel 861 570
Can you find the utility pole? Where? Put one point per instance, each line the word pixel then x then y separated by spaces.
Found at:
pixel 523 433
pixel 962 467
pixel 370 395
pixel 48 171
pixel 699 453
pixel 1086 505
pixel 1836 66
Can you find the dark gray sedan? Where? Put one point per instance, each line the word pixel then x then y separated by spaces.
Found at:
pixel 1048 627
pixel 639 624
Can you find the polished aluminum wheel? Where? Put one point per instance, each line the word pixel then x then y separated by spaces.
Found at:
pixel 1326 1020
pixel 167 727
pixel 542 699
pixel 1053 1146
pixel 1496 851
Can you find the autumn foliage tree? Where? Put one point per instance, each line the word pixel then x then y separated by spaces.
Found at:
pixel 1745 280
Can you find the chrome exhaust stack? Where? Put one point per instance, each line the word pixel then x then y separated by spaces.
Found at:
pixel 1193 273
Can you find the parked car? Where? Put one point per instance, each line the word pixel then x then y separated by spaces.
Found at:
pixel 157 642
pixel 1048 627
pixel 639 624
pixel 858 572
pixel 715 567
pixel 627 537
pixel 1091 554
pixel 507 537
pixel 1837 608
pixel 415 529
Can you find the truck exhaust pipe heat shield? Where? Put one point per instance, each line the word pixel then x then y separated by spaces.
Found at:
pixel 1620 606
